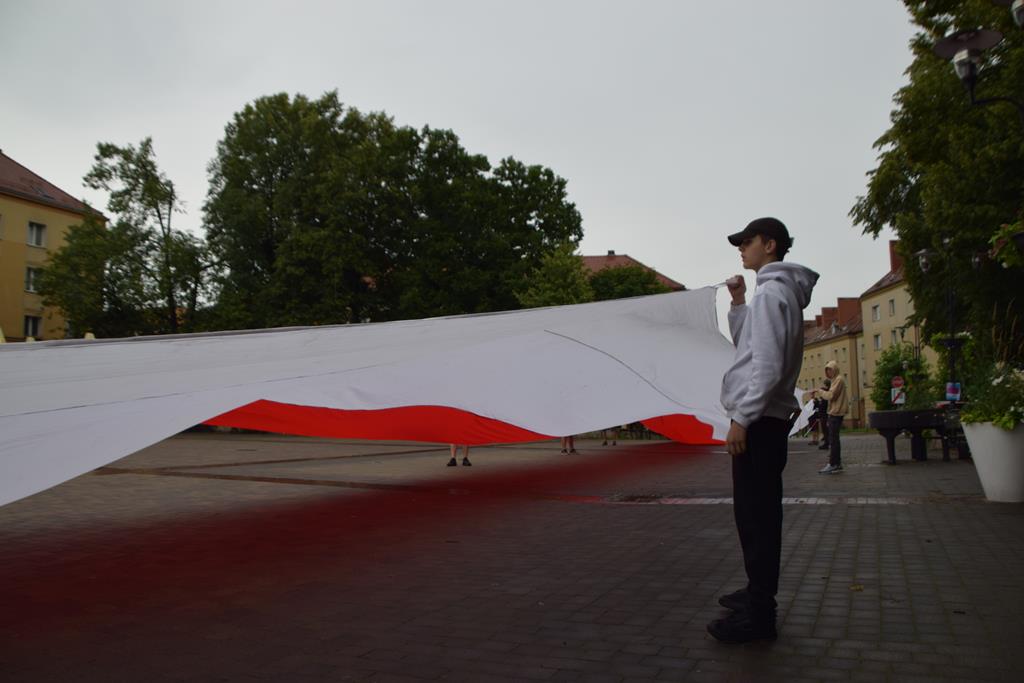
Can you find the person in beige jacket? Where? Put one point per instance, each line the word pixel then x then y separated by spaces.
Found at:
pixel 838 403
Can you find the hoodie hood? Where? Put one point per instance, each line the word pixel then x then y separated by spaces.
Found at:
pixel 798 279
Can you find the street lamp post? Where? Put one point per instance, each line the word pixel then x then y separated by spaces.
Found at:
pixel 952 436
pixel 953 342
pixel 964 49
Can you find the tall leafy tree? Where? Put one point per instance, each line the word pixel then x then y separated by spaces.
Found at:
pixel 265 188
pixel 950 174
pixel 97 281
pixel 140 275
pixel 441 262
pixel 324 214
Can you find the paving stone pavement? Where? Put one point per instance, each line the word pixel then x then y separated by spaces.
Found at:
pixel 244 557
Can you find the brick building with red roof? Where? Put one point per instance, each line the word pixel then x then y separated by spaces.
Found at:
pixel 595 264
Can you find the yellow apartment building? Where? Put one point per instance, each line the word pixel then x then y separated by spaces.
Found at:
pixel 886 307
pixel 834 336
pixel 34 218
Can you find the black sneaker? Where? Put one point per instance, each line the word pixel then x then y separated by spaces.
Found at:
pixel 466 462
pixel 743 627
pixel 453 463
pixel 737 600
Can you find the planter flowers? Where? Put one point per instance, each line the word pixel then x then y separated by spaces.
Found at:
pixel 1008 245
pixel 994 426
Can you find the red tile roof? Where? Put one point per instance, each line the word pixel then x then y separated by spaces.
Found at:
pixel 893 277
pixel 18 181
pixel 816 335
pixel 596 264
pixel 895 274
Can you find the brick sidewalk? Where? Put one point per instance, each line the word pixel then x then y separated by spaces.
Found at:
pixel 216 557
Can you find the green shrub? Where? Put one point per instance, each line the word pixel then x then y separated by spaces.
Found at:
pixel 900 360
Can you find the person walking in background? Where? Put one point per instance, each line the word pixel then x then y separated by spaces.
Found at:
pixel 758 396
pixel 455 453
pixel 838 403
pixel 821 406
pixel 568 445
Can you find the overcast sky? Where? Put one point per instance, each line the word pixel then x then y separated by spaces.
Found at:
pixel 674 123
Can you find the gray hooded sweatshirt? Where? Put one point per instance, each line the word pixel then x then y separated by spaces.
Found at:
pixel 769 336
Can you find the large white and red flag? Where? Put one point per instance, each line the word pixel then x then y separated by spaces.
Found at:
pixel 67 407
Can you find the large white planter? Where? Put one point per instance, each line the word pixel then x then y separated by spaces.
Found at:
pixel 999 458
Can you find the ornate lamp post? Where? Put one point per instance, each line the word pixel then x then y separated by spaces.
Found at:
pixel 964 49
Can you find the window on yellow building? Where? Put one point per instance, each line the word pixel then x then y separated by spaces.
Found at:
pixel 32 278
pixel 878 342
pixel 32 325
pixel 892 307
pixel 894 340
pixel 875 313
pixel 36 234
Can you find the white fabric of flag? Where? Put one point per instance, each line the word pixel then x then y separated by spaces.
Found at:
pixel 67 407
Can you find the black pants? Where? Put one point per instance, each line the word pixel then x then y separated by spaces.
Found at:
pixel 823 421
pixel 835 423
pixel 757 503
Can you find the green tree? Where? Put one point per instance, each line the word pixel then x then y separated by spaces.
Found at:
pixel 324 214
pixel 899 360
pixel 97 281
pixel 560 279
pixel 950 174
pixel 444 260
pixel 266 187
pixel 138 276
pixel 625 281
pixel 480 232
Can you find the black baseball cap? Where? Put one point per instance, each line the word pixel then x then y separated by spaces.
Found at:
pixel 771 228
